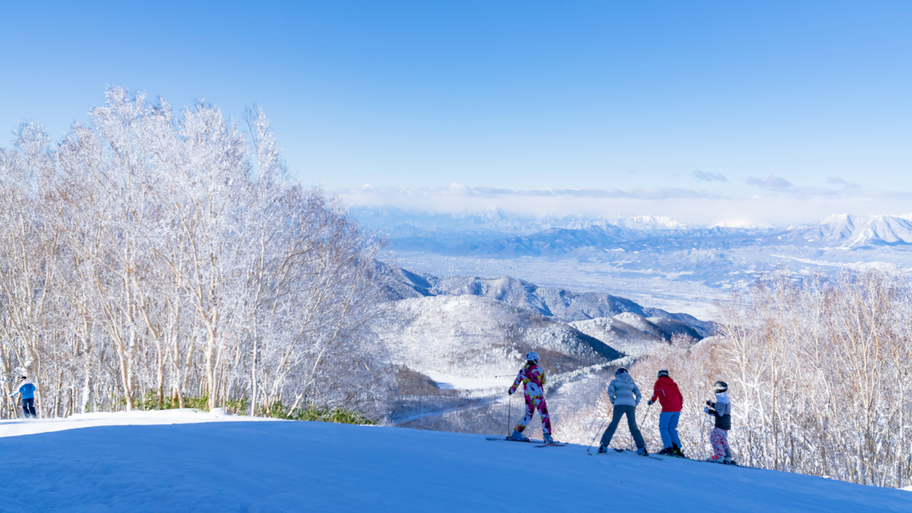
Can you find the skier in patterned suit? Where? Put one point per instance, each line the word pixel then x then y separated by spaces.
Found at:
pixel 533 379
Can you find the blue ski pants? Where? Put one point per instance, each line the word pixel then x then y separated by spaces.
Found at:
pixel 668 428
pixel 28 407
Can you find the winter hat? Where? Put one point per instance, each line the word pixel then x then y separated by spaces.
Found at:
pixel 620 371
pixel 532 356
pixel 23 377
pixel 663 372
pixel 720 386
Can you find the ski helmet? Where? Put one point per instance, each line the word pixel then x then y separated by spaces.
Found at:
pixel 532 356
pixel 720 386
pixel 663 372
pixel 620 371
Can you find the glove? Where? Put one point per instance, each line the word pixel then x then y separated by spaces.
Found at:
pixel 510 391
pixel 649 403
pixel 710 404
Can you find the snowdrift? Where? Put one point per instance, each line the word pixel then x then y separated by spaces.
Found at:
pixel 196 462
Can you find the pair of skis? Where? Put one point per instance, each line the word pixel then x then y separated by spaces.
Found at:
pixel 627 451
pixel 540 443
pixel 729 464
pixel 660 458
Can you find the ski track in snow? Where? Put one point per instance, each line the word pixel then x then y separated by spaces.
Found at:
pixel 202 463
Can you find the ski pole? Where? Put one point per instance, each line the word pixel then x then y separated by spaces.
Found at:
pixel 509 414
pixel 596 435
pixel 646 419
pixel 702 431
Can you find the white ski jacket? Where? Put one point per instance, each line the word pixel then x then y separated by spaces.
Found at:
pixel 623 391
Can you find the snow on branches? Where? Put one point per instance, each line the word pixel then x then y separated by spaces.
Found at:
pixel 152 257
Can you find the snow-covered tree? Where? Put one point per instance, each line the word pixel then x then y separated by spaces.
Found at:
pixel 151 257
pixel 818 373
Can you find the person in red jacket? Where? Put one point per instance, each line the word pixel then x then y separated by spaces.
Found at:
pixel 666 392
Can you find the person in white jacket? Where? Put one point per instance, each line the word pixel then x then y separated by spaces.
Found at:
pixel 625 396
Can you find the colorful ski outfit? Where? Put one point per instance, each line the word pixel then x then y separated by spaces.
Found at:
pixel 533 379
pixel 27 389
pixel 667 393
pixel 625 396
pixel 721 410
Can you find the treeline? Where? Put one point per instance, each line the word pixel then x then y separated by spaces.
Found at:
pixel 819 376
pixel 155 259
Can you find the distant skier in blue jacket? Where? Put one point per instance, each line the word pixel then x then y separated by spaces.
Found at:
pixel 27 389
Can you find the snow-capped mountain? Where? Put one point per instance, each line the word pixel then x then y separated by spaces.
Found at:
pixel 650 223
pixel 849 232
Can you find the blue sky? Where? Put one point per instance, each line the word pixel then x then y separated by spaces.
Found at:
pixel 797 101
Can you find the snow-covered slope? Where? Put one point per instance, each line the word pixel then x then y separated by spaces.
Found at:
pixel 634 338
pixel 18 427
pixel 308 466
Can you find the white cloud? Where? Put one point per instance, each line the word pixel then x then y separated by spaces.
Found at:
pixel 833 180
pixel 690 206
pixel 709 177
pixel 769 182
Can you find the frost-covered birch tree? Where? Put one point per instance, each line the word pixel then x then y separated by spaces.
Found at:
pixel 152 258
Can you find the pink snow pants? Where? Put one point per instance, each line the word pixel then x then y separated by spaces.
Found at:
pixel 719 440
pixel 533 403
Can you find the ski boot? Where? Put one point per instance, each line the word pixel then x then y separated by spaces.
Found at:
pixel 668 451
pixel 602 449
pixel 548 439
pixel 642 451
pixel 519 437
pixel 676 451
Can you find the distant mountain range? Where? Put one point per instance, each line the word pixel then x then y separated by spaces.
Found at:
pixel 653 259
pixel 399 223
pixel 500 233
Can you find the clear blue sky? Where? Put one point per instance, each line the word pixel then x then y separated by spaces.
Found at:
pixel 769 96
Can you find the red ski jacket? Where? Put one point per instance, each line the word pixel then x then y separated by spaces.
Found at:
pixel 666 391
